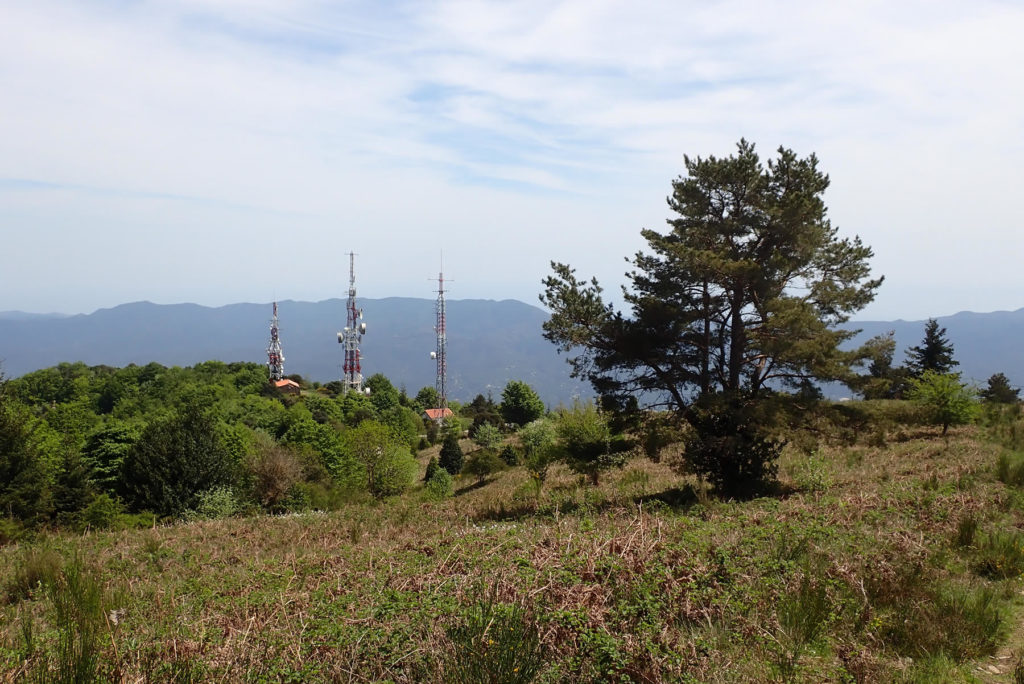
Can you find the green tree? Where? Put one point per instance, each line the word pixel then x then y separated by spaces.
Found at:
pixel 451 454
pixel 482 463
pixel 383 394
pixel 426 398
pixel 539 440
pixel 24 480
pixel 935 353
pixel 745 293
pixel 105 450
pixel 487 436
pixel 998 390
pixel 377 448
pixel 947 400
pixel 176 459
pixel 520 404
pixel 883 380
pixel 432 467
pixel 586 440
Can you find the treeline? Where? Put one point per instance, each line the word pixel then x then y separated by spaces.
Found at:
pixel 99 446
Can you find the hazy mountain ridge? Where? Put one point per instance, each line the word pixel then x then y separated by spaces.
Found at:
pixel 489 342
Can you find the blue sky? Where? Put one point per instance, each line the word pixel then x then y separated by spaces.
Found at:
pixel 216 151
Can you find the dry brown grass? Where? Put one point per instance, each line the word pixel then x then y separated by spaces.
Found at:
pixel 642 579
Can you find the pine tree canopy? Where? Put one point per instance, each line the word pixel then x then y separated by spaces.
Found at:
pixel 745 291
pixel 935 352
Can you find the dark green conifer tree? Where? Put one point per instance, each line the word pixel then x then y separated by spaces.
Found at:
pixel 935 353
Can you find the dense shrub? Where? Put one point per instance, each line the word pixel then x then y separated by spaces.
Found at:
pixel 483 462
pixel 174 461
pixel 728 449
pixel 440 485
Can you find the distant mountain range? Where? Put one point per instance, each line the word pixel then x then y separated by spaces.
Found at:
pixel 489 342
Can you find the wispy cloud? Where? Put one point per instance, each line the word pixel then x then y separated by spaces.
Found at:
pixel 551 127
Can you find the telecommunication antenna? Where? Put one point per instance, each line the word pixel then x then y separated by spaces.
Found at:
pixel 275 357
pixel 441 354
pixel 353 333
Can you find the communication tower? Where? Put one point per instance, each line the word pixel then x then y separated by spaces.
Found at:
pixel 441 354
pixel 275 357
pixel 353 333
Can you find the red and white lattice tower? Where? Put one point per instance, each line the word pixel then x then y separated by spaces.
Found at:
pixel 353 333
pixel 442 346
pixel 275 357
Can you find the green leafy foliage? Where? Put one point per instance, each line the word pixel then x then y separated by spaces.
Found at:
pixel 947 400
pixel 487 436
pixel 482 463
pixel 174 460
pixel 24 478
pixel 440 485
pixel 520 404
pixel 586 440
pixel 389 467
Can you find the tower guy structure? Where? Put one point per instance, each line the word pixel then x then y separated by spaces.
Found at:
pixel 353 333
pixel 441 354
pixel 275 357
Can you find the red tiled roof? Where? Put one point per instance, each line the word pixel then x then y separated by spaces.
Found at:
pixel 286 383
pixel 434 414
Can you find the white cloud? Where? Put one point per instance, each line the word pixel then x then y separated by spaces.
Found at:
pixel 197 136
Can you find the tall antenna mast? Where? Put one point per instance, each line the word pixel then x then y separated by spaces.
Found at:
pixel 275 357
pixel 353 333
pixel 441 354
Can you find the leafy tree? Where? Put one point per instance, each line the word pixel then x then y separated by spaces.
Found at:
pixel 440 485
pixel 883 381
pixel 24 490
pixel 935 353
pixel 586 439
pixel 745 293
pixel 451 454
pixel 105 450
pixel 487 436
pixel 948 401
pixel 520 404
pixel 396 472
pixel 383 394
pixel 539 450
pixel 374 445
pixel 482 463
pixel 426 398
pixel 175 460
pixel 998 390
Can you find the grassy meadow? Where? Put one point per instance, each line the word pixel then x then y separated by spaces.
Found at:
pixel 890 556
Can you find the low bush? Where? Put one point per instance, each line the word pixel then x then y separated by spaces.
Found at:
pixel 440 486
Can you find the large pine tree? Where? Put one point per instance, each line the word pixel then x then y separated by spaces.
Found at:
pixel 935 353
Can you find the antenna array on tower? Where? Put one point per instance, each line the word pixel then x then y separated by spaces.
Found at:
pixel 275 356
pixel 352 334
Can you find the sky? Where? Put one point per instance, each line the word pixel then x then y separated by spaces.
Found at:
pixel 220 151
